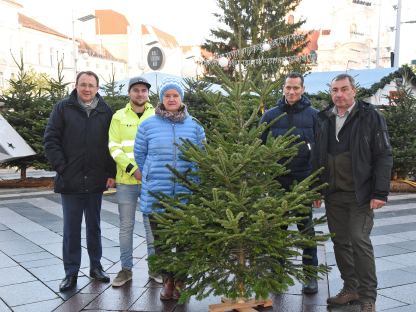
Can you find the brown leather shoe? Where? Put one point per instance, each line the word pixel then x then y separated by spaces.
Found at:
pixel 343 297
pixel 179 285
pixel 368 306
pixel 167 288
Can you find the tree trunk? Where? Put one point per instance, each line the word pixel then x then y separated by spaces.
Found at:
pixel 23 173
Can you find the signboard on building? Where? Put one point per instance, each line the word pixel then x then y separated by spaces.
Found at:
pixel 155 58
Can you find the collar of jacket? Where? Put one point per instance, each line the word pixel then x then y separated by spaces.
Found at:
pixel 361 106
pixel 73 100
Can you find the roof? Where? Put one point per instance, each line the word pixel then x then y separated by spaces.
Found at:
pixel 32 24
pixel 96 50
pixel 109 22
pixel 13 3
pixel 316 82
pixel 164 38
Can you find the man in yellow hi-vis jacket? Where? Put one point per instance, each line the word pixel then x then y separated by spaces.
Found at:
pixel 122 134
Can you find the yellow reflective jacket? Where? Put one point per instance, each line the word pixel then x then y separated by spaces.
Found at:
pixel 121 136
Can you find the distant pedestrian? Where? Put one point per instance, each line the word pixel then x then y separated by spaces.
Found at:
pixel 76 145
pixel 354 148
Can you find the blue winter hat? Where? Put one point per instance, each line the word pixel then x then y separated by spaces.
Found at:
pixel 168 84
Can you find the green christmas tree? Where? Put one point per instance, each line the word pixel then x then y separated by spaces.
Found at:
pixel 401 120
pixel 244 24
pixel 27 111
pixel 229 234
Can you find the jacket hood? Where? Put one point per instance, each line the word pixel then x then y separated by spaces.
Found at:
pixel 295 108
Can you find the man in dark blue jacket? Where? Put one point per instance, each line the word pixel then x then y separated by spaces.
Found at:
pixel 301 115
pixel 76 145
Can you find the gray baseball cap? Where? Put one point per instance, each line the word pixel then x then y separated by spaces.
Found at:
pixel 139 80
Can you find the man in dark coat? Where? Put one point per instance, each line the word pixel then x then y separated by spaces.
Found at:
pixel 76 145
pixel 301 115
pixel 354 148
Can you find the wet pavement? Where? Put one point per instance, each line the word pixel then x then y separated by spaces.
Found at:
pixel 31 265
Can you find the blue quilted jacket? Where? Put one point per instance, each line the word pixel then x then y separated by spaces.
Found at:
pixel 155 147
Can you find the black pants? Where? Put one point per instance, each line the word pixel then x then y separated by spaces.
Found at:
pixel 351 225
pixel 74 206
pixel 310 254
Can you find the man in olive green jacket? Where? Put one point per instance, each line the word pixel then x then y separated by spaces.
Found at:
pixel 122 134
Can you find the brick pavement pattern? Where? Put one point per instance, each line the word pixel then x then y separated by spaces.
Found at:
pixel 31 265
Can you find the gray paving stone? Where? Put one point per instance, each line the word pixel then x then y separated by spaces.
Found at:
pixel 116 298
pixel 395 228
pixel 385 304
pixel 34 213
pixel 14 275
pixel 3 228
pixel 4 307
pixel 6 261
pixel 149 301
pixel 408 259
pixel 43 237
pixel 9 235
pixel 406 308
pixel 395 278
pixel 54 248
pixel 75 303
pixel 26 227
pixel 42 263
pixel 388 250
pixel 11 248
pixel 44 306
pixel 409 268
pixel 29 292
pixel 32 256
pixel 408 245
pixel 48 273
pixel 405 293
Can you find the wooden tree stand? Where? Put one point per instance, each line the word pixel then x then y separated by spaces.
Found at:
pixel 246 306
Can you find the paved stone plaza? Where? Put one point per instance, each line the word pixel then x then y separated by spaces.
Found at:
pixel 31 266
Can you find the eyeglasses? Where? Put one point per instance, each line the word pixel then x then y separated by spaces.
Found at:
pixel 86 85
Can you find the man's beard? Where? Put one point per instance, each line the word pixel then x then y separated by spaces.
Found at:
pixel 136 103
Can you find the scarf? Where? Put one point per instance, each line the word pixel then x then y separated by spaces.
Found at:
pixel 178 116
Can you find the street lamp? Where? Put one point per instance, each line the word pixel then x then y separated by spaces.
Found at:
pixel 397 36
pixel 74 46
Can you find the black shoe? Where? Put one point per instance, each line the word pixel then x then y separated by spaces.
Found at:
pixel 99 274
pixel 68 283
pixel 311 287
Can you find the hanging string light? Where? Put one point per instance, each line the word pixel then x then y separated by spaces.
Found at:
pixel 228 58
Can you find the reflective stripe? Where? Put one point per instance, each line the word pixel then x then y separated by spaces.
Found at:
pixel 130 155
pixel 127 143
pixel 116 153
pixel 112 144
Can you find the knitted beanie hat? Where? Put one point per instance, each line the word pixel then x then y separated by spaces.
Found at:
pixel 168 84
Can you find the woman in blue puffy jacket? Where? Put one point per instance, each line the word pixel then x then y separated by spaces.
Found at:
pixel 156 147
